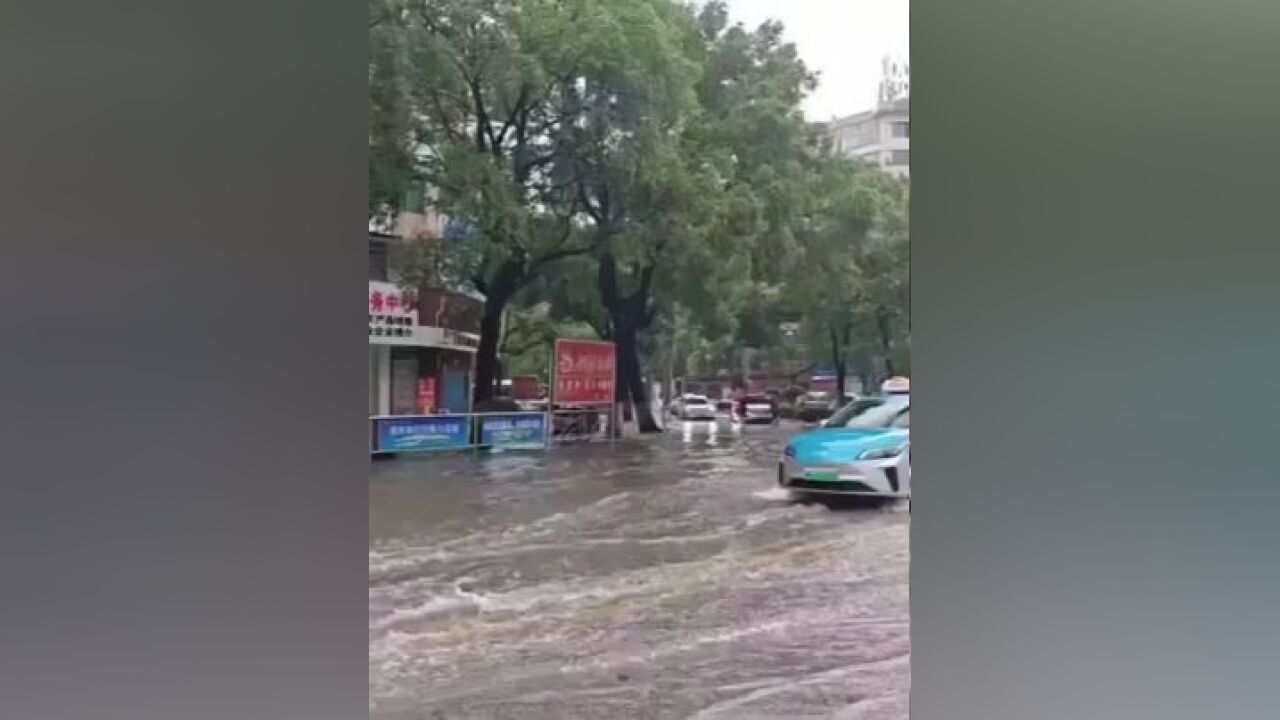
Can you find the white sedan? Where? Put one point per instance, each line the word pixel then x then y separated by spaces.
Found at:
pixel 693 407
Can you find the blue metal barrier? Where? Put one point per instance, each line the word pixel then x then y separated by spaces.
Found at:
pixel 394 434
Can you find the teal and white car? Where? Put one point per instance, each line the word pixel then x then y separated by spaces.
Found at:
pixel 863 449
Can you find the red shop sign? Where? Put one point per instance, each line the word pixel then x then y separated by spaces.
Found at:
pixel 585 372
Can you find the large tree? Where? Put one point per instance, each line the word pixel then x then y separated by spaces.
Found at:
pixel 633 169
pixel 647 151
pixel 484 85
pixel 750 92
pixel 689 175
pixel 852 276
pixel 392 168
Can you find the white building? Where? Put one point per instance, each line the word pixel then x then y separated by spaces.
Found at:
pixel 882 136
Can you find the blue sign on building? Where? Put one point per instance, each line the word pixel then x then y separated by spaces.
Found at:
pixel 517 430
pixel 432 432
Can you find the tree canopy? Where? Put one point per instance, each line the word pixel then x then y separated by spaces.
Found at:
pixel 640 169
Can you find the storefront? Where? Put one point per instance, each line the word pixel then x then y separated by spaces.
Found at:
pixel 414 369
pixel 422 348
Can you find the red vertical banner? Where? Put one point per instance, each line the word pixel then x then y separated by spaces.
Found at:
pixel 586 372
pixel 426 395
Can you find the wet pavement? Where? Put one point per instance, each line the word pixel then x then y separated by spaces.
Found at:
pixel 657 578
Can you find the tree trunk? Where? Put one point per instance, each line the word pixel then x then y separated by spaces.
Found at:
pixel 837 361
pixel 487 353
pixel 669 382
pixel 632 383
pixel 886 339
pixel 627 316
pixel 497 294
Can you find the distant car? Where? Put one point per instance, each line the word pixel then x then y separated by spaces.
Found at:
pixel 863 449
pixel 896 386
pixel 814 405
pixel 693 407
pixel 757 409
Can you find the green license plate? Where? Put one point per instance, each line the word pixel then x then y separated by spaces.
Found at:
pixel 822 475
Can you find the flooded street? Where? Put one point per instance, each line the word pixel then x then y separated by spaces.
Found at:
pixel 656 578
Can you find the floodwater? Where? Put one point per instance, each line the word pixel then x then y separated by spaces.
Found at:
pixel 658 578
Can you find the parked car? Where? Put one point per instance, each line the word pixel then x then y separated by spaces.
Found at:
pixel 693 407
pixel 896 386
pixel 863 449
pixel 758 409
pixel 814 406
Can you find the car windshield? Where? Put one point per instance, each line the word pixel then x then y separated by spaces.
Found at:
pixel 868 413
pixel 694 401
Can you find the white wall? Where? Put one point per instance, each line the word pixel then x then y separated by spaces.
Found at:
pixel 872 137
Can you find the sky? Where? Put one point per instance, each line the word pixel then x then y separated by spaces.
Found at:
pixel 844 40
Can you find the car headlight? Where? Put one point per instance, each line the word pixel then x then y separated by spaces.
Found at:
pixel 882 453
pixel 789 452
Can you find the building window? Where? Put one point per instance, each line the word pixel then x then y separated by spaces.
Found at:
pixel 900 157
pixel 902 129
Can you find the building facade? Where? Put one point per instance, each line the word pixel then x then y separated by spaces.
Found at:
pixel 422 341
pixel 881 136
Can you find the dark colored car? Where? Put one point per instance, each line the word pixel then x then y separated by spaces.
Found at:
pixel 757 409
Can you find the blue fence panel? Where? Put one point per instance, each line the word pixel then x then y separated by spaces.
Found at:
pixel 423 433
pixel 460 431
pixel 513 430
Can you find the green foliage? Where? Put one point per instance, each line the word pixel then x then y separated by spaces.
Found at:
pixel 529 335
pixel 392 172
pixel 746 157
pixel 634 167
pixel 852 277
pixel 466 97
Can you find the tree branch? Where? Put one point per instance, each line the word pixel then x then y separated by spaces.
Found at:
pixel 649 313
pixel 592 210
pixel 608 282
pixel 515 111
pixel 646 281
pixel 559 254
pixel 523 170
pixel 483 130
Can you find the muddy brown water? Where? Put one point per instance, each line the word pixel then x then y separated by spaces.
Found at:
pixel 662 578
